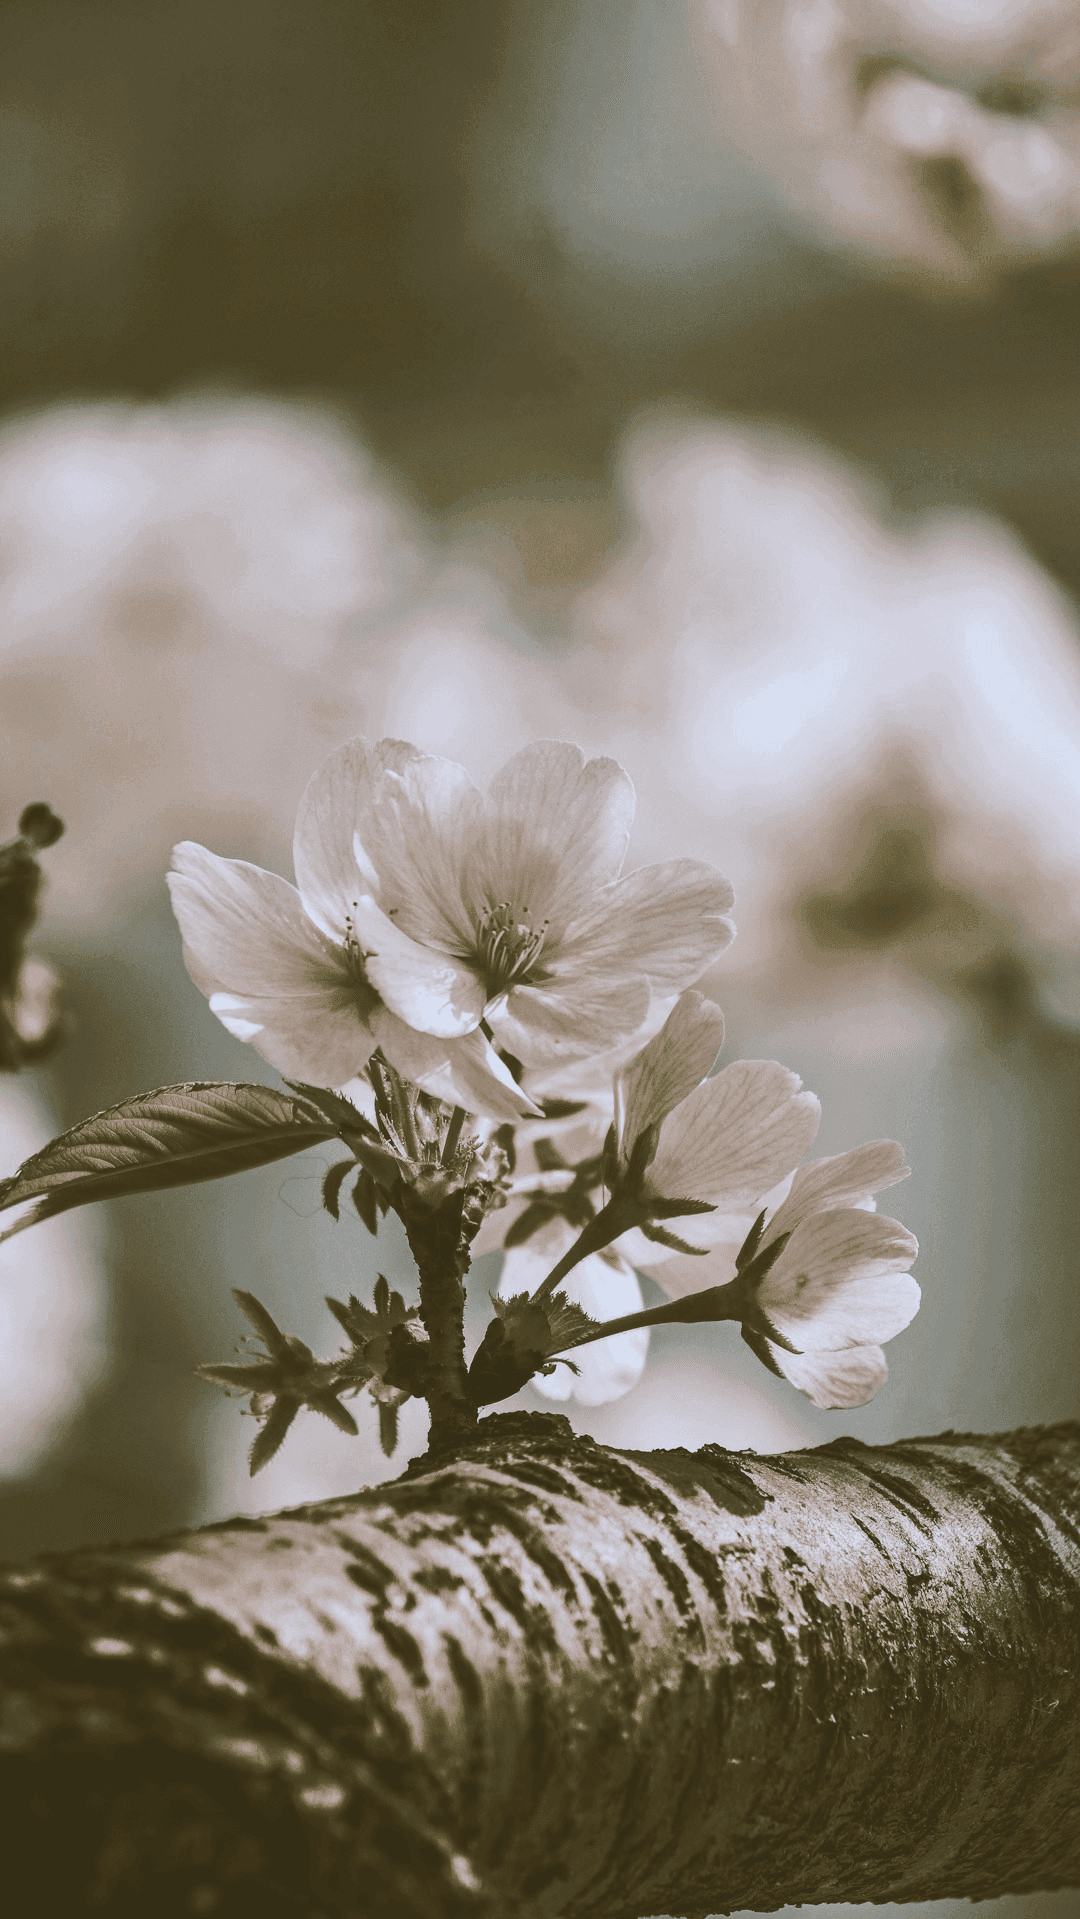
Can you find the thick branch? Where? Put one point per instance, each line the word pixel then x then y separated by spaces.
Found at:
pixel 551 1679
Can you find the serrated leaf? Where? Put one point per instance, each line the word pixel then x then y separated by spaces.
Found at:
pixel 566 1320
pixel 343 1116
pixel 271 1434
pixel 388 1426
pixel 265 1325
pixel 365 1198
pixel 333 1183
pixel 174 1136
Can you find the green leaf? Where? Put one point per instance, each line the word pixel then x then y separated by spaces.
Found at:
pixel 175 1136
pixel 344 1117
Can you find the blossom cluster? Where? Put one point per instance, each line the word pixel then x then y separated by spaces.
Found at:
pixel 491 986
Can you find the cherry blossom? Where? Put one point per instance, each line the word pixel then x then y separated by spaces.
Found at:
pixel 502 909
pixel 714 1143
pixel 821 1280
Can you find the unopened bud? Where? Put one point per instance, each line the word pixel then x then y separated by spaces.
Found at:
pixel 39 825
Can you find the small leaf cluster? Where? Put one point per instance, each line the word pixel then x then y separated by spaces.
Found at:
pixel 388 1351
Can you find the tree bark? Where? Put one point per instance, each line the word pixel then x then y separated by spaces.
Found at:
pixel 551 1679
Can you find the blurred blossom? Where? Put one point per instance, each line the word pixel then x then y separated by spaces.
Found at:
pixel 54 1336
pixel 695 147
pixel 174 582
pixel 941 134
pixel 845 701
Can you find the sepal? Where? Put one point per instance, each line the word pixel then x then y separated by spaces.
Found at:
pixel 520 1341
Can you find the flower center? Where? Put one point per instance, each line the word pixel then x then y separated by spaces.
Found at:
pixel 507 946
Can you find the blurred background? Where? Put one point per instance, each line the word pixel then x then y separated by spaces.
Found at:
pixel 695 380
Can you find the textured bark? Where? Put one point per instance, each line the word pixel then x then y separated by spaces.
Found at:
pixel 548 1678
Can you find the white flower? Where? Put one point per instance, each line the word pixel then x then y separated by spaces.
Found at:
pixel 605 1287
pixel 689 1148
pixel 301 997
pixel 830 1380
pixel 822 1185
pixel 824 1283
pixel 504 907
pixel 721 1142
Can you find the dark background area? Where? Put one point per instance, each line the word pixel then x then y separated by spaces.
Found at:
pixel 268 197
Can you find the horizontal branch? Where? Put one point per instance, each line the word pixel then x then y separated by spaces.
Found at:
pixel 552 1679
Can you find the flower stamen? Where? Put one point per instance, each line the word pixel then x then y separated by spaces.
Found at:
pixel 507 946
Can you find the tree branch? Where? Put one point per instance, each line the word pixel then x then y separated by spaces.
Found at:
pixel 552 1679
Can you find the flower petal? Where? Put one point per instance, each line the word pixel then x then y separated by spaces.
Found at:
pixel 543 1024
pixel 423 985
pixel 668 1069
pixel 734 1137
pixel 464 1072
pixel 336 814
pixel 557 830
pixel 830 1380
pixel 669 922
pixel 840 1281
pixel 423 820
pixel 847 1179
pixel 605 1289
pixel 269 975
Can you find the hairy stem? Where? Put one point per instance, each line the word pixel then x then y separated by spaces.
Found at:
pixel 440 1248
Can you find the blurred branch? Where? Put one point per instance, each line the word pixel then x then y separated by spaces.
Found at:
pixel 547 1678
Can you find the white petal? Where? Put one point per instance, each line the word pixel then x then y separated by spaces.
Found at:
pixel 336 814
pixel 417 821
pixel 841 1281
pixel 270 976
pixel 735 1136
pixel 830 1380
pixel 605 1289
pixel 568 1019
pixel 609 1367
pixel 591 1078
pixel 668 1069
pixel 525 1266
pixel 847 1179
pixel 424 986
pixel 464 1072
pixel 669 922
pixel 557 831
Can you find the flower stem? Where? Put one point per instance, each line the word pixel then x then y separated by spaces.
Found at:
pixel 453 1134
pixel 715 1303
pixel 615 1218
